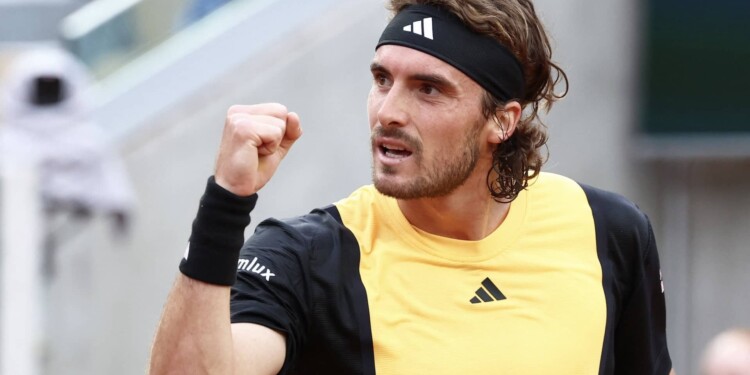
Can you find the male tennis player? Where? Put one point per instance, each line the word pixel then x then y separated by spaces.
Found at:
pixel 462 258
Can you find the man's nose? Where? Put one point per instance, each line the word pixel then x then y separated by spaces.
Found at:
pixel 394 107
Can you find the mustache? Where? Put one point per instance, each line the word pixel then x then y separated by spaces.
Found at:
pixel 395 133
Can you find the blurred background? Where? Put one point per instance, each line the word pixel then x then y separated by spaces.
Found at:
pixel 657 111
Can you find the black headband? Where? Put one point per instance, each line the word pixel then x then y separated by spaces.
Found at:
pixel 440 33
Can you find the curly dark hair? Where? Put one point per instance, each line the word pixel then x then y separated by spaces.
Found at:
pixel 515 24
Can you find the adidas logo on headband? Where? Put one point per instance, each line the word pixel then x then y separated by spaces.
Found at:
pixel 417 28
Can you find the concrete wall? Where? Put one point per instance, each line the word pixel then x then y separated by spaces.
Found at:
pixel 705 251
pixel 699 209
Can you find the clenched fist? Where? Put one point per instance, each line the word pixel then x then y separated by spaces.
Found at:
pixel 255 139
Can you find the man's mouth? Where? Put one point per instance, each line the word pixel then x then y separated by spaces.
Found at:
pixel 394 146
pixel 394 152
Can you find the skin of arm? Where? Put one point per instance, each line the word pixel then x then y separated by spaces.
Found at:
pixel 195 335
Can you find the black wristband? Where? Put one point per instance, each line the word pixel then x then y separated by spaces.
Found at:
pixel 218 235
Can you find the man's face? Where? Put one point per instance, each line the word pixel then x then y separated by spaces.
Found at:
pixel 426 124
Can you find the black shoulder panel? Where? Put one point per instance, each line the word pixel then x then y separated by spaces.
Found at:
pixel 316 297
pixel 635 337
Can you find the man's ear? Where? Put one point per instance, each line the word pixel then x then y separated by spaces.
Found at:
pixel 504 122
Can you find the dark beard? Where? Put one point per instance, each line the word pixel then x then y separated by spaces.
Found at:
pixel 445 174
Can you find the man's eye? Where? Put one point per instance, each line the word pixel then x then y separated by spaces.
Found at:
pixel 429 90
pixel 381 80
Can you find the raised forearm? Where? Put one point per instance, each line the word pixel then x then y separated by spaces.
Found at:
pixel 194 335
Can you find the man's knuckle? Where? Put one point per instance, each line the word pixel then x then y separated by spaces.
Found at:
pixel 279 107
pixel 238 120
pixel 234 109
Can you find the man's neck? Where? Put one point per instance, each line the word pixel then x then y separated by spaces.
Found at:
pixel 468 213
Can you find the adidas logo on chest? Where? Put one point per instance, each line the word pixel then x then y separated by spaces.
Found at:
pixel 488 292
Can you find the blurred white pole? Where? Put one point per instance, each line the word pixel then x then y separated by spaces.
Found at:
pixel 22 240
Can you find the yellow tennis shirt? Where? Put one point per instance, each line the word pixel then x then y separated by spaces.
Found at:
pixel 568 284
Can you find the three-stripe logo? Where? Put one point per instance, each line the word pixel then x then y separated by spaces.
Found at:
pixel 423 27
pixel 488 292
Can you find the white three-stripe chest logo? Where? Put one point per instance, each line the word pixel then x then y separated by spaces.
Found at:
pixel 423 27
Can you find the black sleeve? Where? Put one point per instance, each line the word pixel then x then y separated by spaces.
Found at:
pixel 635 339
pixel 272 287
pixel 640 340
